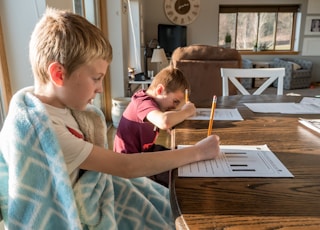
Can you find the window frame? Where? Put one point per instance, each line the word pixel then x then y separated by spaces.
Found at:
pixel 295 9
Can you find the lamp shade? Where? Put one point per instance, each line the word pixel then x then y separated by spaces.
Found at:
pixel 159 55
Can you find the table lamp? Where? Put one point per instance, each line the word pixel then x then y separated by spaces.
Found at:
pixel 159 56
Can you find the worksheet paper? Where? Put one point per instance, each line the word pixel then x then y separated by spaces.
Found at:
pixel 308 105
pixel 285 108
pixel 237 161
pixel 219 115
pixel 313 124
pixel 311 100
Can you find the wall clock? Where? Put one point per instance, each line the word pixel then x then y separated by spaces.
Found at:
pixel 182 12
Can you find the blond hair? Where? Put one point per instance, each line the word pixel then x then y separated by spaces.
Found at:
pixel 172 79
pixel 67 38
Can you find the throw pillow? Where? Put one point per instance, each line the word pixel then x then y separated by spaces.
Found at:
pixel 295 66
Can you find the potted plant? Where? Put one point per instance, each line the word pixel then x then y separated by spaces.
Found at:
pixel 227 40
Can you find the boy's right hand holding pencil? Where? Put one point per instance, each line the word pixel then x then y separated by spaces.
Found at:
pixel 209 147
pixel 189 107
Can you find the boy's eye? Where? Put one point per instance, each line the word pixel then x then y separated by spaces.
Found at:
pixel 97 78
pixel 176 102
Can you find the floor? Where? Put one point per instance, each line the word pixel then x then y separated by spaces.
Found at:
pixel 164 138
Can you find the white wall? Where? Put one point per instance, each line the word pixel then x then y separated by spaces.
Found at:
pixel 18 20
pixel 17 24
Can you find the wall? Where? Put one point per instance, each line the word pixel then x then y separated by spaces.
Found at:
pixel 118 35
pixel 18 24
pixel 204 30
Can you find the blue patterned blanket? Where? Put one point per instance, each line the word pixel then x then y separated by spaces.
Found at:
pixel 35 189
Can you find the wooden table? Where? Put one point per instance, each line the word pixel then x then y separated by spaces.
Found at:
pixel 252 203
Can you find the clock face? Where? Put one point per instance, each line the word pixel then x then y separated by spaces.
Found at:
pixel 182 12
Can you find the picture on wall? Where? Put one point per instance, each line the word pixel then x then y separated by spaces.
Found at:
pixel 312 25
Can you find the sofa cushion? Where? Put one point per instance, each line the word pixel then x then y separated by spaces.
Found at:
pixel 295 66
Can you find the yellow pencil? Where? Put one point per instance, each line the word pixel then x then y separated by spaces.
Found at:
pixel 186 95
pixel 213 107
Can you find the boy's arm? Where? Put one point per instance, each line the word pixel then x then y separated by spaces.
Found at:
pixel 147 164
pixel 168 119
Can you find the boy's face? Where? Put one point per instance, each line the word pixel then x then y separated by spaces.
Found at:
pixel 170 101
pixel 81 87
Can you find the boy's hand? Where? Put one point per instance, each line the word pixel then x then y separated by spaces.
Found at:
pixel 209 147
pixel 189 108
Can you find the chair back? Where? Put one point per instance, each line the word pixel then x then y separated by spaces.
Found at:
pixel 201 65
pixel 233 74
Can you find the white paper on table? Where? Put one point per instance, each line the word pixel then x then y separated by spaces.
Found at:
pixel 237 161
pixel 311 100
pixel 285 108
pixel 219 115
pixel 313 124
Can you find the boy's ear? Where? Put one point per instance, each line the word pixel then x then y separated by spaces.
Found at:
pixel 56 72
pixel 159 89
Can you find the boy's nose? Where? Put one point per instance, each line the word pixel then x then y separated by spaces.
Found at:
pixel 99 88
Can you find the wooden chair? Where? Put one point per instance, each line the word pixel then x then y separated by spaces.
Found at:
pixel 233 74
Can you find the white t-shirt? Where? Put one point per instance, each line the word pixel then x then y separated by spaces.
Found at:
pixel 75 149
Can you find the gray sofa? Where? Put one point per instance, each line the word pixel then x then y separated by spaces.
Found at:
pixel 298 72
pixel 246 82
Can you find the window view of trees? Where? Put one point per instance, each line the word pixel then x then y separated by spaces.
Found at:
pixel 258 29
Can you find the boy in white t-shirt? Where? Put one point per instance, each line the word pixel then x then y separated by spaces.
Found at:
pixel 69 58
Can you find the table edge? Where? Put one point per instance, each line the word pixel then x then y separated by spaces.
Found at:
pixel 179 220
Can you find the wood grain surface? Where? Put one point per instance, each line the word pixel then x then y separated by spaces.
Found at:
pixel 253 203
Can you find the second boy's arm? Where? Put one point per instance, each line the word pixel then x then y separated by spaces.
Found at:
pixel 166 120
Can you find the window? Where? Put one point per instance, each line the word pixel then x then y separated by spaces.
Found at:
pixel 270 28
